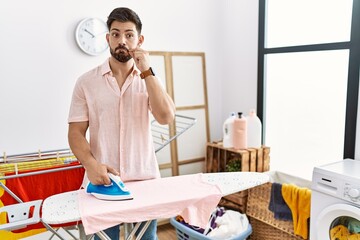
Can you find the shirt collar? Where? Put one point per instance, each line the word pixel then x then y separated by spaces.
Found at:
pixel 105 69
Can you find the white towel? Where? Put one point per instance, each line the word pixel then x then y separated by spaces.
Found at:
pixel 230 224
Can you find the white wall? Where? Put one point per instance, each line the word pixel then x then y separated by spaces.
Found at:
pixel 241 49
pixel 40 60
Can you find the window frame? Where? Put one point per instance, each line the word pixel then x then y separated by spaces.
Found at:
pixel 353 72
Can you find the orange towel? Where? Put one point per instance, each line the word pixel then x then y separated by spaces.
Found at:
pixel 298 199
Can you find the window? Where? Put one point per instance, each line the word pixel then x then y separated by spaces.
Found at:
pixel 302 22
pixel 308 81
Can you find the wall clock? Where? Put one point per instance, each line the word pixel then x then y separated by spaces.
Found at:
pixel 90 36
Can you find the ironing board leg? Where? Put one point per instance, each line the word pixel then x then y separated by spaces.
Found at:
pixel 70 233
pixel 135 228
pixel 141 233
pixel 133 231
pixel 82 234
pixel 48 227
pixel 127 229
pixel 103 236
pixel 57 230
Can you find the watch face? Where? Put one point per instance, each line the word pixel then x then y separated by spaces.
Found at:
pixel 91 36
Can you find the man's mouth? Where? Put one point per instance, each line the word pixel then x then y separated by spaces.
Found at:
pixel 122 50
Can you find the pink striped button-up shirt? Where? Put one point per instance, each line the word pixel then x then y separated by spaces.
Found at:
pixel 119 121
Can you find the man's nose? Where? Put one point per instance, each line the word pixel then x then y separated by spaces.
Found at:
pixel 121 40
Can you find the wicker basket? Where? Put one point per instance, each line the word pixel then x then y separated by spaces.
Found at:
pixel 265 226
pixel 264 231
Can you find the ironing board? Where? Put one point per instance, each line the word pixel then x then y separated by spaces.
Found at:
pixel 62 160
pixel 64 207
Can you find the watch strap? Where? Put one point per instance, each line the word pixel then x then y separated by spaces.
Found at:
pixel 147 73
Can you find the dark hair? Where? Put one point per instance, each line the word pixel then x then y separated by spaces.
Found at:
pixel 123 14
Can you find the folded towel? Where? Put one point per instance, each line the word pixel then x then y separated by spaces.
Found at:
pixel 298 199
pixel 277 204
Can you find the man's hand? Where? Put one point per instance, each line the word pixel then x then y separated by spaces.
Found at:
pixel 98 173
pixel 141 58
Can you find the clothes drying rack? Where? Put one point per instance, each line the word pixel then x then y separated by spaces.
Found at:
pixel 63 160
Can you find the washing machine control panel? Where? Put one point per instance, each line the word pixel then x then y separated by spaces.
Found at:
pixel 352 192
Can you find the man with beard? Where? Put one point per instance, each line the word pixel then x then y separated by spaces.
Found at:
pixel 114 101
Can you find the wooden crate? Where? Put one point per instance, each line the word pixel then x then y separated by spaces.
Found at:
pixel 251 159
pixel 236 201
pixel 248 160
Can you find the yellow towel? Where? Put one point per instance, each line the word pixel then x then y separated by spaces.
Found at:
pixel 341 232
pixel 298 199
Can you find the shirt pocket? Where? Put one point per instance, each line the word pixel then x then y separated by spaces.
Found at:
pixel 140 104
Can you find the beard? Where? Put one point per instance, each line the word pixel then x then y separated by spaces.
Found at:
pixel 121 53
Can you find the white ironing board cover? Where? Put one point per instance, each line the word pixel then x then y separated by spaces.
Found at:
pixel 232 182
pixel 64 207
pixel 61 208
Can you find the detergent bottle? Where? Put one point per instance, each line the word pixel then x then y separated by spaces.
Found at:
pixel 228 127
pixel 240 135
pixel 253 130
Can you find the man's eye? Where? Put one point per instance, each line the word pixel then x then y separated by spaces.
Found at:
pixel 114 34
pixel 129 35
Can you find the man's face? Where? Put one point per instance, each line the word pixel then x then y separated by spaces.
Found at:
pixel 121 38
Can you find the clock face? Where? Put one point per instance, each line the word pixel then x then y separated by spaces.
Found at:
pixel 90 35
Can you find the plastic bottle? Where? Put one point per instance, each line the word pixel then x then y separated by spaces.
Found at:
pixel 240 135
pixel 253 130
pixel 228 127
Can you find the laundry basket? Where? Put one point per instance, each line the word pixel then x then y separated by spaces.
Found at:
pixel 264 224
pixel 185 233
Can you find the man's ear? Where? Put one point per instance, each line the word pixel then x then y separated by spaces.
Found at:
pixel 107 38
pixel 141 40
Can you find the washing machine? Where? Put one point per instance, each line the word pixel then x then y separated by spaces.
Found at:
pixel 335 201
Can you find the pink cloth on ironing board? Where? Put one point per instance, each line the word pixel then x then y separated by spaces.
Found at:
pixel 186 195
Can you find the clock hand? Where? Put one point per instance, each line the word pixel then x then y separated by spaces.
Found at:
pixel 89 33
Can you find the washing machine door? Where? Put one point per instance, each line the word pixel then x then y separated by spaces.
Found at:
pixel 338 221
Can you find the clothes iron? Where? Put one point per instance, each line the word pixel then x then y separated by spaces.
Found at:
pixel 115 191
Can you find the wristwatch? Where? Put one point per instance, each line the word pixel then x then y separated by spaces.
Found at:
pixel 146 73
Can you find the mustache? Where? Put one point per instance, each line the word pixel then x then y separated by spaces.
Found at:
pixel 121 53
pixel 122 47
